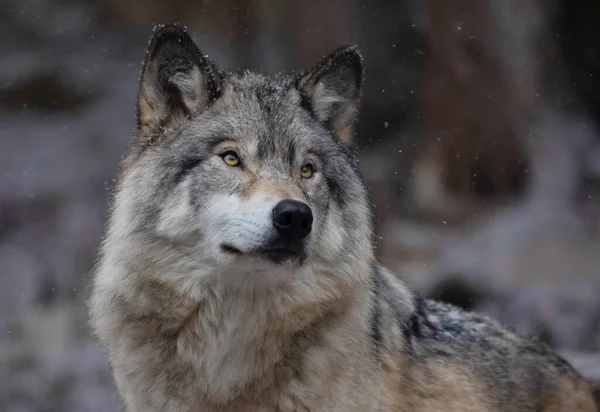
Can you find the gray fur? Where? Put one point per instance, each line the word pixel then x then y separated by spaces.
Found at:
pixel 195 318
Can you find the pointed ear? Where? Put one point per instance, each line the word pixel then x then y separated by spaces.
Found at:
pixel 177 80
pixel 332 90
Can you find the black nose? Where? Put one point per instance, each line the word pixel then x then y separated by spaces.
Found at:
pixel 292 219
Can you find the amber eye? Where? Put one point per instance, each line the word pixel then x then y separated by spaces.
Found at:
pixel 307 171
pixel 231 158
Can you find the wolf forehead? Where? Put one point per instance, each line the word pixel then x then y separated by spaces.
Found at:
pixel 277 98
pixel 268 111
pixel 270 92
pixel 264 117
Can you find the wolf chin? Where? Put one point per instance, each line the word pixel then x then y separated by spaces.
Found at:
pixel 238 272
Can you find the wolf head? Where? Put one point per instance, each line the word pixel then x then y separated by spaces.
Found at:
pixel 239 172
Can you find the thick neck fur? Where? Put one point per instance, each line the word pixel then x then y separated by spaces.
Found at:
pixel 236 329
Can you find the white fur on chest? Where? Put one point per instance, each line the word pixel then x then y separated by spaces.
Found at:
pixel 232 352
pixel 227 346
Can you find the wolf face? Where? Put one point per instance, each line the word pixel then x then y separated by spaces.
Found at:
pixel 240 171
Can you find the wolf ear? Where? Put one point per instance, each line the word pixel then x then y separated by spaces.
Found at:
pixel 177 80
pixel 332 90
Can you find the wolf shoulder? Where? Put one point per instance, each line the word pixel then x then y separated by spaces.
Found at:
pixel 449 351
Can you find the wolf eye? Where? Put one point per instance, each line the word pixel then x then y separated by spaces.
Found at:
pixel 307 171
pixel 231 158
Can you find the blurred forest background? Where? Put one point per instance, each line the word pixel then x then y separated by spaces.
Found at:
pixel 478 136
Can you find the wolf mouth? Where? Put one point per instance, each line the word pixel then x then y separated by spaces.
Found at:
pixel 231 249
pixel 275 255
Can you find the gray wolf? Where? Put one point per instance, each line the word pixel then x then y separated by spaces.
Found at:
pixel 238 272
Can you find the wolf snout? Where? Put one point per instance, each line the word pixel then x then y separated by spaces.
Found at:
pixel 292 219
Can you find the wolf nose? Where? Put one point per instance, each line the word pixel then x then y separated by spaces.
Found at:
pixel 292 219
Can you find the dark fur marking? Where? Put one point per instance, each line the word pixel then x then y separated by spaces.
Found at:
pixel 336 190
pixel 336 187
pixel 375 330
pixel 417 326
pixel 261 97
pixel 306 104
pixel 185 167
pixel 411 328
pixel 420 315
pixel 266 95
pixel 291 152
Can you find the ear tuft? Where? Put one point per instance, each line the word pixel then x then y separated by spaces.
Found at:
pixel 333 88
pixel 177 81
